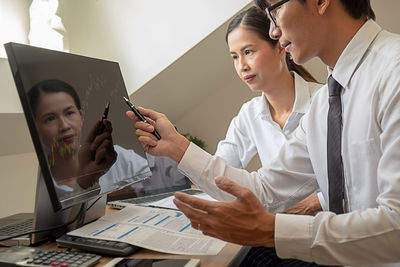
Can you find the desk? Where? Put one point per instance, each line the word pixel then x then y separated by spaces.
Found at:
pixel 222 259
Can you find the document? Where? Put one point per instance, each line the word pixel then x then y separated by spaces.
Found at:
pixel 169 203
pixel 163 230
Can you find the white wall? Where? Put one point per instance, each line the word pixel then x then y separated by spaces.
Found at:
pixel 14 22
pixel 143 36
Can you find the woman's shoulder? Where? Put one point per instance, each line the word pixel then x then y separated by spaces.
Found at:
pixel 314 87
pixel 253 104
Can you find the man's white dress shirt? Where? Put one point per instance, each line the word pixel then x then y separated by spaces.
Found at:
pixel 369 233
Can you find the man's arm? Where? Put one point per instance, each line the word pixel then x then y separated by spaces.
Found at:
pixel 278 189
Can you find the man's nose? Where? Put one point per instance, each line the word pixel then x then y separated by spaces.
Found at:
pixel 274 31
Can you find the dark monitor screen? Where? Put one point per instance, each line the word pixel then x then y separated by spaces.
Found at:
pixel 64 97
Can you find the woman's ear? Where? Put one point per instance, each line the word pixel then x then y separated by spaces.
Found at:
pixel 281 50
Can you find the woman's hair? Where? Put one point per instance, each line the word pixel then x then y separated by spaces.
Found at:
pixel 255 20
pixel 51 86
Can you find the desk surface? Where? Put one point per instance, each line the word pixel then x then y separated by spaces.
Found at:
pixel 222 259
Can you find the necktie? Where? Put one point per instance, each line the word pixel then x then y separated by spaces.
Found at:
pixel 334 145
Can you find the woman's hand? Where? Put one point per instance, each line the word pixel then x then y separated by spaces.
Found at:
pixel 307 206
pixel 96 155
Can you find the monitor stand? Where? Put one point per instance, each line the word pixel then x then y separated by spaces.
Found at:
pixel 45 217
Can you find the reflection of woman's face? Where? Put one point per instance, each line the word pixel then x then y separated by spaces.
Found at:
pixel 59 121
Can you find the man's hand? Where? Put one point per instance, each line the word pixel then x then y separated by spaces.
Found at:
pixel 307 206
pixel 243 221
pixel 172 144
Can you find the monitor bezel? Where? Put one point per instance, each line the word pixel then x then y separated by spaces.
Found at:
pixel 12 60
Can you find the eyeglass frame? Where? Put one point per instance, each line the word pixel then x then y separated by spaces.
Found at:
pixel 272 8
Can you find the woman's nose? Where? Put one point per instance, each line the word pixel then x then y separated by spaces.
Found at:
pixel 64 124
pixel 243 65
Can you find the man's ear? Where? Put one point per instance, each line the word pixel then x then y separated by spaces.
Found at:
pixel 322 6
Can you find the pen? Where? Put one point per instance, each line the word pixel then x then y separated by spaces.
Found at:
pixel 104 117
pixel 141 117
pixel 102 127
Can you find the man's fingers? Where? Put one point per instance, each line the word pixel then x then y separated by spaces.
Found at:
pixel 195 202
pixel 154 115
pixel 229 186
pixel 190 212
pixel 144 126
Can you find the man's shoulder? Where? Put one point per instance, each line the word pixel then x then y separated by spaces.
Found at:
pixel 387 45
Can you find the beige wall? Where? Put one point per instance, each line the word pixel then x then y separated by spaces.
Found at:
pixel 18 186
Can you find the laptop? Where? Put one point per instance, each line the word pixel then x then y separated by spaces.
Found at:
pixel 163 183
pixel 14 225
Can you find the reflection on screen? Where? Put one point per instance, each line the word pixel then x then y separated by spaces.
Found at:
pixel 88 149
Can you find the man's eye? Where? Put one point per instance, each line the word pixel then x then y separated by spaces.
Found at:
pixel 248 52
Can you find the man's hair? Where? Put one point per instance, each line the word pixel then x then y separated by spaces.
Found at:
pixel 356 8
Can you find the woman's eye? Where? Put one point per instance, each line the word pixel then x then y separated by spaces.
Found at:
pixel 49 119
pixel 248 52
pixel 234 56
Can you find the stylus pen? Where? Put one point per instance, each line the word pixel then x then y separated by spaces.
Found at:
pixel 141 117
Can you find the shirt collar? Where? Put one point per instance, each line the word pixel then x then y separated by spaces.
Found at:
pixel 301 102
pixel 351 56
pixel 303 94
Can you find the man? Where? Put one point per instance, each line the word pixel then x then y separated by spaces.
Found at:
pixel 364 63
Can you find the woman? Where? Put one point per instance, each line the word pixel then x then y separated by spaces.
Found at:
pixel 265 122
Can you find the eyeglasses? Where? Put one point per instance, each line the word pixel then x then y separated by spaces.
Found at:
pixel 271 11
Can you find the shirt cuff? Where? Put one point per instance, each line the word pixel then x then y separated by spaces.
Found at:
pixel 193 162
pixel 293 236
pixel 322 201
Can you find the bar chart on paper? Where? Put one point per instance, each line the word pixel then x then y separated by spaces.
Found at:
pixel 157 229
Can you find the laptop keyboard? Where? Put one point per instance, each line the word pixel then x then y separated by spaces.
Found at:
pixel 17 228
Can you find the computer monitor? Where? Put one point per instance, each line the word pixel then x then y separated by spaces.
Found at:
pixel 64 98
